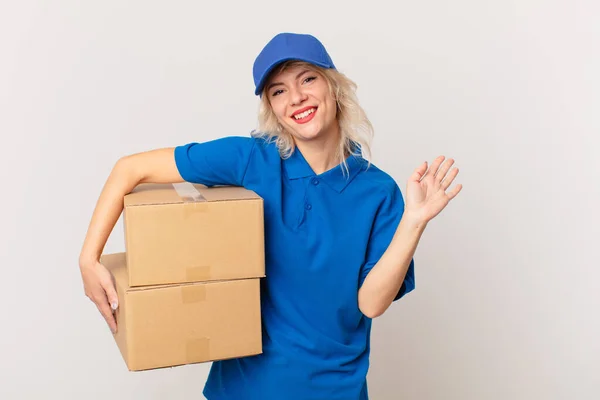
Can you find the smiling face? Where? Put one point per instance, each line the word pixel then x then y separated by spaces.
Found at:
pixel 302 103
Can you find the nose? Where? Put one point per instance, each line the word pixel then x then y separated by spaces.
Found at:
pixel 297 96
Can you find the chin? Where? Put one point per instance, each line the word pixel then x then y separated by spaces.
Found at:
pixel 317 131
pixel 307 135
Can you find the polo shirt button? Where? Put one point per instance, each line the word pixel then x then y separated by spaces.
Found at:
pixel 308 206
pixel 315 181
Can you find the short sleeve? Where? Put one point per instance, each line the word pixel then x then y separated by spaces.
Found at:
pixel 221 161
pixel 384 228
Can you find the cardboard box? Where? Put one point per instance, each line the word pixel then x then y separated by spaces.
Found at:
pixel 169 325
pixel 177 233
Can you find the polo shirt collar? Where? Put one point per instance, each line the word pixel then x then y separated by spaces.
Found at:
pixel 337 178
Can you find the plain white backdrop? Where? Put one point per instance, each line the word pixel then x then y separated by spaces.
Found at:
pixel 507 281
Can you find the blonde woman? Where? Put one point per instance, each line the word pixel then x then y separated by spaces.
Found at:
pixel 339 235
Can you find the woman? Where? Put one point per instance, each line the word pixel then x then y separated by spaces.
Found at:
pixel 339 237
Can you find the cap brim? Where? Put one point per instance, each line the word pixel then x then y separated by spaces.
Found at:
pixel 274 64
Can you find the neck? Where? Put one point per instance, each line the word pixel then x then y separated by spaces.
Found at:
pixel 321 154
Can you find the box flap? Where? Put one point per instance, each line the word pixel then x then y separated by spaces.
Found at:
pixel 224 193
pixel 167 193
pixel 116 263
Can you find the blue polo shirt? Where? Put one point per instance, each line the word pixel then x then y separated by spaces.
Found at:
pixel 323 234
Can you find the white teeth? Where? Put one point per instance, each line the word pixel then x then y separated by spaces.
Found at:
pixel 304 114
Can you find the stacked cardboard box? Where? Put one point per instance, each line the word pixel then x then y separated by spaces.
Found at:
pixel 189 279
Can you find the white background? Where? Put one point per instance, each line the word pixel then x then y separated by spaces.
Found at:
pixel 506 304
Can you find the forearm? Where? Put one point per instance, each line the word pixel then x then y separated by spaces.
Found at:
pixel 385 279
pixel 109 207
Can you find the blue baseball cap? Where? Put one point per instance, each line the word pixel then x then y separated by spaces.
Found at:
pixel 288 46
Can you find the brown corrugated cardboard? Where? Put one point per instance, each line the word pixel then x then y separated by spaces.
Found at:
pixel 169 325
pixel 188 233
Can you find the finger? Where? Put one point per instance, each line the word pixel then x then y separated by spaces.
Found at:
pixel 106 311
pixel 452 194
pixel 111 294
pixel 434 166
pixel 445 184
pixel 418 172
pixel 441 173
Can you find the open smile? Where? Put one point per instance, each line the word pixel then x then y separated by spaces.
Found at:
pixel 304 115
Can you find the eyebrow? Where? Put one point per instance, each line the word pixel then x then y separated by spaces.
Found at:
pixel 280 83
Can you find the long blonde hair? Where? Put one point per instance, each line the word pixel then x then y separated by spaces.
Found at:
pixel 355 128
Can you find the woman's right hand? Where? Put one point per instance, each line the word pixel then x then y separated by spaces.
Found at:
pixel 154 166
pixel 100 289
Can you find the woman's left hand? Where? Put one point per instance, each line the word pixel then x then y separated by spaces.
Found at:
pixel 426 194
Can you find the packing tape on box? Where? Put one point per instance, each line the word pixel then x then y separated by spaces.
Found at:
pixel 188 193
pixel 197 350
pixel 199 273
pixel 193 293
pixel 193 199
pixel 191 208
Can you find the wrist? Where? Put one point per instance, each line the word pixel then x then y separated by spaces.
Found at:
pixel 87 260
pixel 413 220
